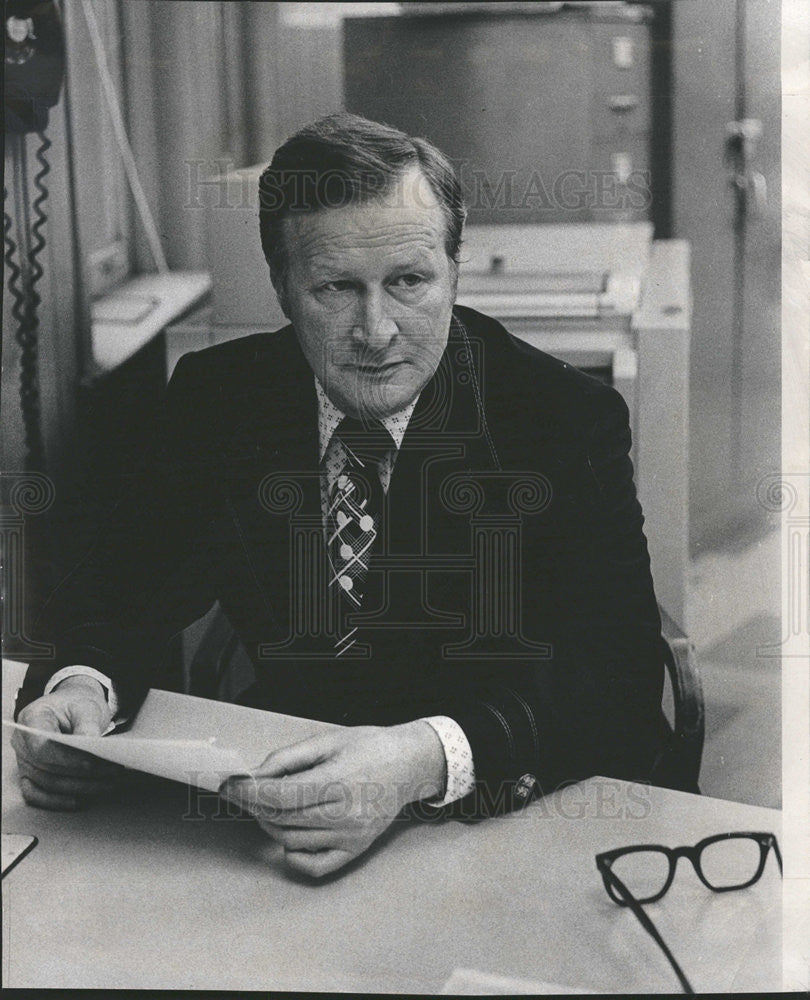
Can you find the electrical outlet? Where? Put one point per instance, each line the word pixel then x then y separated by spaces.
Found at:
pixel 107 268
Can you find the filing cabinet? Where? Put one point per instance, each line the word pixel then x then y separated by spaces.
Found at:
pixel 546 115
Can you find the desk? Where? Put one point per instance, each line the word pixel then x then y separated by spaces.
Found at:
pixel 154 891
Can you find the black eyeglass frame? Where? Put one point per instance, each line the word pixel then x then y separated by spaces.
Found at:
pixel 605 860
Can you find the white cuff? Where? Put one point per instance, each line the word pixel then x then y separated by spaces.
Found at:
pixel 79 671
pixel 458 757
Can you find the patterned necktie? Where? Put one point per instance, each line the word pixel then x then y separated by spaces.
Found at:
pixel 354 515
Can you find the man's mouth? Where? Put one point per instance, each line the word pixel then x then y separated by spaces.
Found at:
pixel 375 370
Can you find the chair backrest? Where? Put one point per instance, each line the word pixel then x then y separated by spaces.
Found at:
pixel 678 765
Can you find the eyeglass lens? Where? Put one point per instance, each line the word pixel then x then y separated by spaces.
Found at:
pixel 730 863
pixel 645 873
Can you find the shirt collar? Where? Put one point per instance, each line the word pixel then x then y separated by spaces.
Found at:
pixel 329 417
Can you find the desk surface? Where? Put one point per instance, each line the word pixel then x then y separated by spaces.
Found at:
pixel 160 890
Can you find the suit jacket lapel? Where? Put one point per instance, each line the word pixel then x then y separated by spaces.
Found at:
pixel 445 436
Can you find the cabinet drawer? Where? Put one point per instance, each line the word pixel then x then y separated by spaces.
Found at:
pixel 620 96
pixel 622 182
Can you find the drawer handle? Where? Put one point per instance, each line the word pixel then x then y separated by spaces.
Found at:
pixel 623 102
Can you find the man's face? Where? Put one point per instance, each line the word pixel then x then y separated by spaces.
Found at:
pixel 369 291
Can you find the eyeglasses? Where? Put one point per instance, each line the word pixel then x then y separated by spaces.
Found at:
pixel 642 873
pixel 724 862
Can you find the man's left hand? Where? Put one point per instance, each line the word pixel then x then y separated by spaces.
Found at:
pixel 328 798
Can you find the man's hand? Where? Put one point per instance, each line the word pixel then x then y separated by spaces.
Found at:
pixel 328 798
pixel 53 776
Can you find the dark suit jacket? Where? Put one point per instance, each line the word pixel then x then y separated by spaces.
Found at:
pixel 513 582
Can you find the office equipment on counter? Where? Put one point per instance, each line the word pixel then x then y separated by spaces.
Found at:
pixel 129 317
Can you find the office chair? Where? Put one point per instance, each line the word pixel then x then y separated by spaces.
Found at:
pixel 678 763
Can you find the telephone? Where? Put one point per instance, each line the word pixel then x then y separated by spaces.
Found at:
pixel 33 73
pixel 34 63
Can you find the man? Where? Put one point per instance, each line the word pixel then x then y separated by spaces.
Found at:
pixel 450 514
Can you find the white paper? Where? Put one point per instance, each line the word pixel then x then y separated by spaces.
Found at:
pixel 195 762
pixel 473 982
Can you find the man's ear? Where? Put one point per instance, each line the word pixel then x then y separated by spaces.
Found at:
pixel 279 288
pixel 454 269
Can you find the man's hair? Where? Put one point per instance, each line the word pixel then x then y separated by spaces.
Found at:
pixel 344 159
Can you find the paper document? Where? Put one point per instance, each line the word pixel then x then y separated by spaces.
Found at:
pixel 201 763
pixel 472 982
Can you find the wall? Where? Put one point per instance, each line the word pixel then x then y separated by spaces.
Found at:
pixel 102 193
pixel 735 393
pixel 211 87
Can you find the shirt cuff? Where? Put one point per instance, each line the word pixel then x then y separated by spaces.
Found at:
pixel 458 758
pixel 80 671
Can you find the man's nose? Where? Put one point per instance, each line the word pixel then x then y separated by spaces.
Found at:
pixel 375 325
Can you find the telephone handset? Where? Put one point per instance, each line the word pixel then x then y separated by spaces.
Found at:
pixel 34 63
pixel 34 66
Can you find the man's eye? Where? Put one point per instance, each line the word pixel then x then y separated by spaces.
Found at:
pixel 408 281
pixel 336 286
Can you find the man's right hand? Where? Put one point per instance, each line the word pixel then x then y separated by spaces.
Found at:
pixel 52 775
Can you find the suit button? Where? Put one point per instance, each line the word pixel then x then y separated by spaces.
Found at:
pixel 525 785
